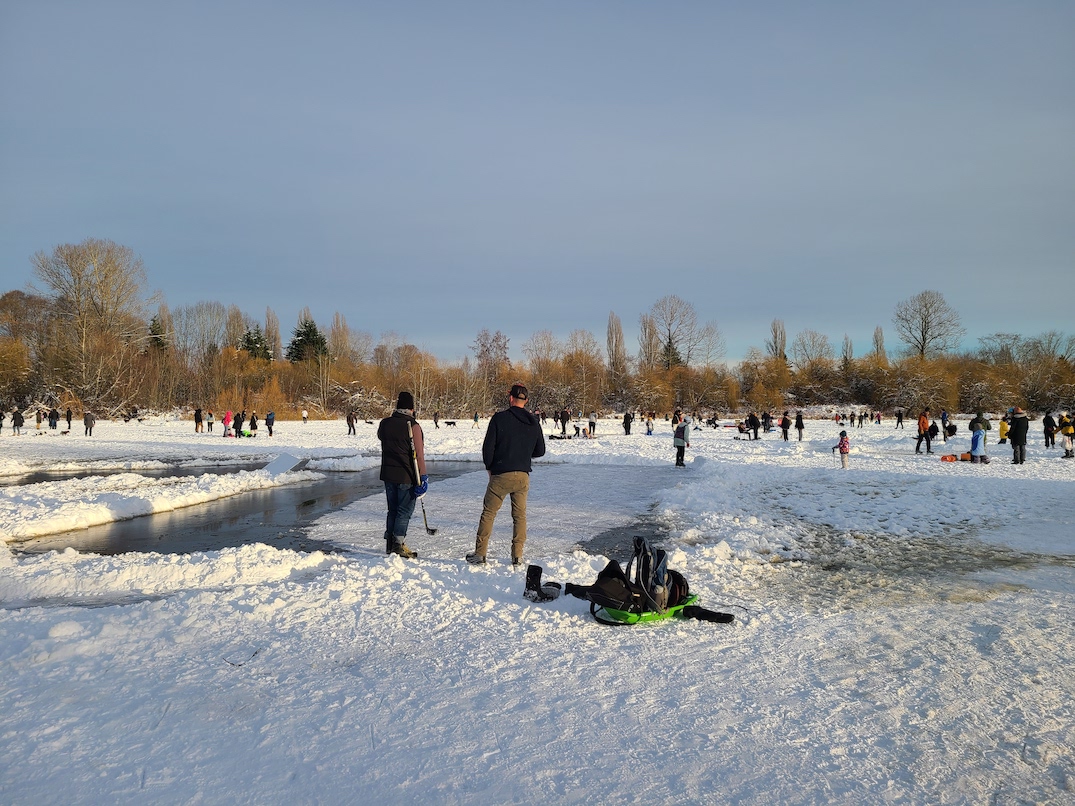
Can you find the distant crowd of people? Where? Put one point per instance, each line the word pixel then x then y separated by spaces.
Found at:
pixel 51 417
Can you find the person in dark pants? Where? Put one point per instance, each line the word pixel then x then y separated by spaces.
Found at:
pixel 753 423
pixel 270 421
pixel 899 418
pixel 628 418
pixel 1049 428
pixel 1017 434
pixel 512 441
pixel 800 426
pixel 401 488
pixel 70 414
pixel 88 420
pixel 681 437
pixel 923 432
pixel 785 425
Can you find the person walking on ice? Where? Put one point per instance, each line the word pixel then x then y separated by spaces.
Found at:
pixel 923 432
pixel 512 440
pixel 844 446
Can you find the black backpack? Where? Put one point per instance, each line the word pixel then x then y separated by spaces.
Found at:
pixel 648 585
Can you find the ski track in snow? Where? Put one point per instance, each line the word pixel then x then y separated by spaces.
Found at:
pixel 903 635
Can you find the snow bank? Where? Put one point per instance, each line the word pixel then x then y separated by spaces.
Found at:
pixel 903 632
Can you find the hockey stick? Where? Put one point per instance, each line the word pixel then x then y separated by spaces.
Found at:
pixel 418 480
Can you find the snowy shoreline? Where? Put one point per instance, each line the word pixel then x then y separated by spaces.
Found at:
pixel 903 633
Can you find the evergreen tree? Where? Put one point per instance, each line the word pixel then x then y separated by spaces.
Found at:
pixel 254 342
pixel 158 338
pixel 308 342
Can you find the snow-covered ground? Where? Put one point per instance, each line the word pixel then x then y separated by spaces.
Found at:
pixel 904 630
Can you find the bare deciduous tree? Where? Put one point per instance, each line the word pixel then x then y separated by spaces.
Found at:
pixel 339 338
pixel 810 347
pixel 682 340
pixel 776 346
pixel 999 348
pixel 235 325
pixel 198 331
pixel 97 289
pixel 272 335
pixel 928 324
pixel 879 342
pixel 617 351
pixel 649 342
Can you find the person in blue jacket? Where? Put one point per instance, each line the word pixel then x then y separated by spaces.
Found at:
pixel 977 444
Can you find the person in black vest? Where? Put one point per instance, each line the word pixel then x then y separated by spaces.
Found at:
pixel 401 487
pixel 513 439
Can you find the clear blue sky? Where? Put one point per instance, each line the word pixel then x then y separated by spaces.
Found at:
pixel 433 168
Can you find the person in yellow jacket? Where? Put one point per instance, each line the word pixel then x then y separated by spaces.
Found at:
pixel 1067 434
pixel 1004 428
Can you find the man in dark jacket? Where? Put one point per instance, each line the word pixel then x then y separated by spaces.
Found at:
pixel 1017 434
pixel 1049 427
pixel 753 423
pixel 401 486
pixel 514 438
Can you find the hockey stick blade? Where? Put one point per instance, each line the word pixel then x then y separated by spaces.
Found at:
pixel 430 530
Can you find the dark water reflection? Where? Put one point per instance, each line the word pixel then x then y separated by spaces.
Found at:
pixel 278 517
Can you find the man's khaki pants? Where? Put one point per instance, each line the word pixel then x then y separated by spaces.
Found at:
pixel 517 485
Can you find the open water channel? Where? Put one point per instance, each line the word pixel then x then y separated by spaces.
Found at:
pixel 279 516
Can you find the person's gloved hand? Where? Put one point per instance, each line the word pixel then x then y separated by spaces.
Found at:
pixel 421 489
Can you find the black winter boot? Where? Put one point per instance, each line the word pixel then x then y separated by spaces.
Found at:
pixel 537 592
